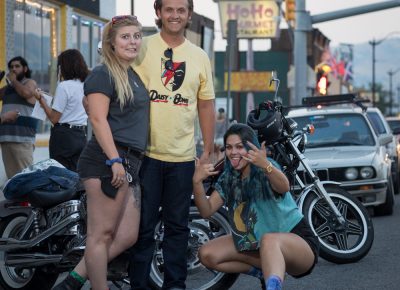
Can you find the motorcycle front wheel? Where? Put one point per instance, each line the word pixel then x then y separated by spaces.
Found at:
pixel 339 243
pixel 201 231
pixel 14 278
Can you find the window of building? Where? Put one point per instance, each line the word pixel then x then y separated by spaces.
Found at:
pixel 34 24
pixel 86 33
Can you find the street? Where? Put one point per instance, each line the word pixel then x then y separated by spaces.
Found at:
pixel 378 270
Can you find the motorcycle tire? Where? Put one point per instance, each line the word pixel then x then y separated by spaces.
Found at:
pixel 339 244
pixel 201 231
pixel 12 278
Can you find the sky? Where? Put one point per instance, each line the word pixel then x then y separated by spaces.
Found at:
pixel 350 30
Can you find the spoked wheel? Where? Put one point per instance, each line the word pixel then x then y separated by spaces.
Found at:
pixel 13 278
pixel 201 231
pixel 339 243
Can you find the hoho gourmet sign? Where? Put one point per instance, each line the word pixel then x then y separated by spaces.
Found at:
pixel 255 19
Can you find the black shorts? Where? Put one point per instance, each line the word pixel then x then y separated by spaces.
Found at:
pixel 303 230
pixel 92 164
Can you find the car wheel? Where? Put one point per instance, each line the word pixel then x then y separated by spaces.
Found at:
pixel 387 207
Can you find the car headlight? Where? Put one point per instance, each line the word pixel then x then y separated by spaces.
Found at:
pixel 351 173
pixel 366 172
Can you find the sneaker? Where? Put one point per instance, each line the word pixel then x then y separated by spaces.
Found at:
pixel 69 283
pixel 274 283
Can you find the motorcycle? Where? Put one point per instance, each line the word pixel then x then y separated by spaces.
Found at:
pixel 43 234
pixel 342 224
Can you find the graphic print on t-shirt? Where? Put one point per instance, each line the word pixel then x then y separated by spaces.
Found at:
pixel 172 79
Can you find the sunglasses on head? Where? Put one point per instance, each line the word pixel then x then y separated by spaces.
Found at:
pixel 169 65
pixel 118 18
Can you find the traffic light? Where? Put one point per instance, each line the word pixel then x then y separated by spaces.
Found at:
pixel 322 83
pixel 290 12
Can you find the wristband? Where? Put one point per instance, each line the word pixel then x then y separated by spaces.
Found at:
pixel 114 160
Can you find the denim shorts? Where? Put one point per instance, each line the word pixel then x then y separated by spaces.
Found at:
pixel 303 230
pixel 92 164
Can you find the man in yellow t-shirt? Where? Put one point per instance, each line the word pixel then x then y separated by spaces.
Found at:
pixel 178 77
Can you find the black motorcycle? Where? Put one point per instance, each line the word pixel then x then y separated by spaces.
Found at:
pixel 43 235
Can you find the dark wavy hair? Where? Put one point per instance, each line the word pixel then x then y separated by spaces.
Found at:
pixel 233 180
pixel 72 65
pixel 158 4
pixel 23 62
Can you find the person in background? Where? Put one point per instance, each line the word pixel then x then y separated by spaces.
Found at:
pixel 109 165
pixel 67 114
pixel 178 76
pixel 17 138
pixel 269 234
pixel 220 129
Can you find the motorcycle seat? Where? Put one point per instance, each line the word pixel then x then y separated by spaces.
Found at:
pixel 45 199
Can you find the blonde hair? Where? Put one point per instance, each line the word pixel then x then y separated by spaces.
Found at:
pixel 118 71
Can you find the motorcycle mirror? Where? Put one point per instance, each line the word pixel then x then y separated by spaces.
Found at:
pixel 274 79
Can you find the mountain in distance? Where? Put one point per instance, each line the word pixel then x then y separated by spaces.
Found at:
pixel 387 58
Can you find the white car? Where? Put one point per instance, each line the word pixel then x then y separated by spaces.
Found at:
pixel 345 148
pixel 382 128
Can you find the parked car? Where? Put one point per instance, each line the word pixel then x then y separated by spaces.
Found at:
pixel 394 123
pixel 345 148
pixel 382 128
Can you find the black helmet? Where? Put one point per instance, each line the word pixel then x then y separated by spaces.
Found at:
pixel 269 127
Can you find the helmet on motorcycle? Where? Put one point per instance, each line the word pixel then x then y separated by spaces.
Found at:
pixel 269 127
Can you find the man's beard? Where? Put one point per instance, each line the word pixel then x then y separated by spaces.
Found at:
pixel 20 76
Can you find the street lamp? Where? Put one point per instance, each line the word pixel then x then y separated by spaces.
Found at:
pixel 391 73
pixel 373 44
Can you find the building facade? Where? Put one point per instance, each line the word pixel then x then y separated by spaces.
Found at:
pixel 40 30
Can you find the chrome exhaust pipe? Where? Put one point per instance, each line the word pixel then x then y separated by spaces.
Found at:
pixel 30 260
pixel 7 244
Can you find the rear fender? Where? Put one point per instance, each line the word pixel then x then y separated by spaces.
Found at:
pixel 9 208
pixel 309 188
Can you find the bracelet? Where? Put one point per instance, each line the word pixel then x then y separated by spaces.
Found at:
pixel 268 169
pixel 114 160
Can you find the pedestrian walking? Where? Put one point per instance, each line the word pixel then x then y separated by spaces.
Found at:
pixel 67 114
pixel 179 92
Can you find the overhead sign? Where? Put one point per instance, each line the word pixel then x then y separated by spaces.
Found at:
pixel 249 81
pixel 255 19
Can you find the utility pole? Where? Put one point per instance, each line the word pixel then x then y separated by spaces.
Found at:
pixel 304 24
pixel 132 7
pixel 391 73
pixel 374 43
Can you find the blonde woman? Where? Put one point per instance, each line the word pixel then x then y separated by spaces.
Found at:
pixel 109 165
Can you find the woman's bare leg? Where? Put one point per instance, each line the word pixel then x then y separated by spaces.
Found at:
pixel 285 252
pixel 221 254
pixel 127 231
pixel 104 214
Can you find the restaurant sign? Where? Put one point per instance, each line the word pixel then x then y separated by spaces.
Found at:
pixel 249 81
pixel 255 19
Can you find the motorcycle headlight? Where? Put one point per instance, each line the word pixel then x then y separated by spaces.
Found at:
pixel 366 172
pixel 351 173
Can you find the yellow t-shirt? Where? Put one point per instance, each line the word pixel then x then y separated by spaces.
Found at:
pixel 173 96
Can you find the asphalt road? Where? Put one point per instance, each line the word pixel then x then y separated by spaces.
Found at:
pixel 380 269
